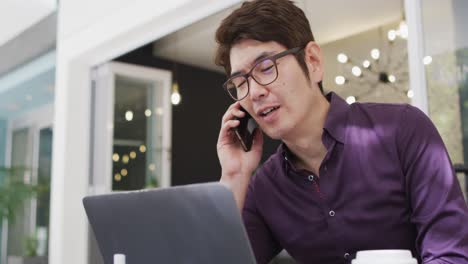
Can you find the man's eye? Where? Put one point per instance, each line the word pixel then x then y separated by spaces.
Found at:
pixel 241 85
pixel 267 69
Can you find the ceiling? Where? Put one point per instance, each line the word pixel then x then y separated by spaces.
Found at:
pixel 330 20
pixel 18 15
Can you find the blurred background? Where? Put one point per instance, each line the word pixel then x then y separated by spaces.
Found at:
pixel 102 96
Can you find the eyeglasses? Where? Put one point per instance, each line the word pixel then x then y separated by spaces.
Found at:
pixel 263 72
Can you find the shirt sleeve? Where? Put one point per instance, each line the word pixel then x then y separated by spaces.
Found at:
pixel 439 210
pixel 263 244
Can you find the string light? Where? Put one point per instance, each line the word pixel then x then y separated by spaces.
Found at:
pixel 125 159
pixel 115 157
pixel 133 155
pixel 124 172
pixel 117 177
pixel 142 148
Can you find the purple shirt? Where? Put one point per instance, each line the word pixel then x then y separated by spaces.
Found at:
pixel 386 182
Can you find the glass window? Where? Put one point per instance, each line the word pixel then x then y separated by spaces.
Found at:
pixel 137 128
pixel 446 62
pixel 26 112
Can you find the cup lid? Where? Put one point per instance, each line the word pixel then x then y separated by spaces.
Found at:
pixel 385 256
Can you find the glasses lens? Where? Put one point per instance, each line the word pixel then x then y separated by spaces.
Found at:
pixel 237 87
pixel 265 72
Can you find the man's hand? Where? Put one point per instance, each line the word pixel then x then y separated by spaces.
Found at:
pixel 237 165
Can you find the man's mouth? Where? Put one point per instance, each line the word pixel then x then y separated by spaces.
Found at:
pixel 268 111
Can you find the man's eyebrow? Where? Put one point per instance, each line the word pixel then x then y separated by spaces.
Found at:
pixel 259 57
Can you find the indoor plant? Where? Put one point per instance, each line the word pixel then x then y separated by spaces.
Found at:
pixel 13 193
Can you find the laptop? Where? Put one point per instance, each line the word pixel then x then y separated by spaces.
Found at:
pixel 193 224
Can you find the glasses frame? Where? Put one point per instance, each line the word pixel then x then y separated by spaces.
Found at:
pixel 273 58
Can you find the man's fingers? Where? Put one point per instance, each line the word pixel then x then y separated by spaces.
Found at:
pixel 227 126
pixel 233 112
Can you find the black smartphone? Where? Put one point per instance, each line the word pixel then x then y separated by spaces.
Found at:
pixel 245 130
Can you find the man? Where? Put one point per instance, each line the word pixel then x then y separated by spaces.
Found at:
pixel 346 177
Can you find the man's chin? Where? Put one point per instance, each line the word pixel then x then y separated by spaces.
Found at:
pixel 276 135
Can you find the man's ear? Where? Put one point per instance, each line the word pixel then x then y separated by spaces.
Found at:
pixel 314 60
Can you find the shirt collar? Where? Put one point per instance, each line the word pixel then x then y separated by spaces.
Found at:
pixel 337 117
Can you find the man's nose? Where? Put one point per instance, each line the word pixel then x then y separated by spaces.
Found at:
pixel 257 91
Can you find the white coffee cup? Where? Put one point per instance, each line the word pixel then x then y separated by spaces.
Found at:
pixel 386 256
pixel 119 259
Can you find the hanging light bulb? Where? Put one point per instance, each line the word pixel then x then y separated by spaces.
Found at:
pixel 342 58
pixel 356 71
pixel 391 78
pixel 340 80
pixel 391 35
pixel 366 64
pixel 351 99
pixel 129 115
pixel 147 112
pixel 175 96
pixel 403 29
pixel 410 94
pixel 375 54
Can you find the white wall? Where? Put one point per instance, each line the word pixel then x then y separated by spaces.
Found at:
pixel 91 33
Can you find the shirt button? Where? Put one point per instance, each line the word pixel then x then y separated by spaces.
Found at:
pixel 331 213
pixel 311 178
pixel 325 168
pixel 285 158
pixel 346 256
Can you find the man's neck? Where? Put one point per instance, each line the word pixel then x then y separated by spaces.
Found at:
pixel 306 141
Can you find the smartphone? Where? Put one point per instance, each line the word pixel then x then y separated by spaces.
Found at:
pixel 245 130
